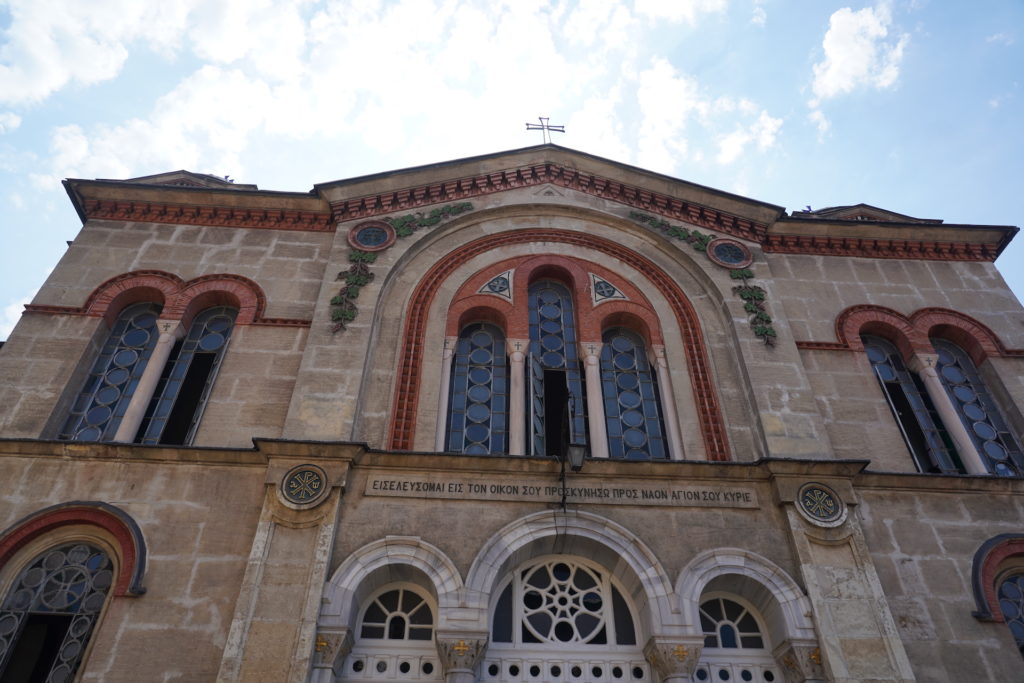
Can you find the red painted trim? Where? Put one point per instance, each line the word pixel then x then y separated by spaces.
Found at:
pixel 180 299
pixel 912 335
pixel 217 216
pixel 879 248
pixel 409 371
pixel 554 174
pixel 60 516
pixel 990 569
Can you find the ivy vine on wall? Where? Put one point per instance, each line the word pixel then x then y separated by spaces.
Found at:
pixel 358 275
pixel 753 296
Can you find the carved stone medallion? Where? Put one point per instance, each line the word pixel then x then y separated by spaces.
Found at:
pixel 304 485
pixel 820 505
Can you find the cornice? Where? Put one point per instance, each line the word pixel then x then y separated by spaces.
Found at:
pixel 880 248
pixel 554 174
pixel 219 216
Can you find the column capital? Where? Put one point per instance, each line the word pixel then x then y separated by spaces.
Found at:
pixel 331 647
pixel 675 658
pixel 517 348
pixel 801 661
pixel 168 326
pixel 923 362
pixel 591 348
pixel 460 651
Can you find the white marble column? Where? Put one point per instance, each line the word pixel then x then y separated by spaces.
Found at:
pixel 170 332
pixel 591 353
pixel 668 403
pixel 442 400
pixel 517 417
pixel 924 365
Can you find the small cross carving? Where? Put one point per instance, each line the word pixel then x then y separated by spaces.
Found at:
pixel 518 344
pixel 460 648
pixel 590 349
pixel 681 653
pixel 321 644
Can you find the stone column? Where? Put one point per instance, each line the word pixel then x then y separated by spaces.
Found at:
pixel 673 659
pixel 801 661
pixel 924 365
pixel 329 652
pixel 460 653
pixel 170 332
pixel 517 417
pixel 442 400
pixel 668 403
pixel 591 354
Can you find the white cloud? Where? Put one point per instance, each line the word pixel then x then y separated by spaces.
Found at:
pixel 1001 38
pixel 10 315
pixel 680 11
pixel 762 132
pixel 820 121
pixel 759 16
pixel 8 121
pixel 858 53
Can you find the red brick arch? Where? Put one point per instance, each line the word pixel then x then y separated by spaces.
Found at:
pixel 121 291
pixel 125 531
pixel 410 368
pixel 218 290
pixel 972 336
pixel 883 322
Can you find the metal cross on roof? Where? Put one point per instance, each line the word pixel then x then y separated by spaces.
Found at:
pixel 545 128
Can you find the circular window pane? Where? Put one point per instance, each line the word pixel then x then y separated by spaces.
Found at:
pixel 974 411
pixel 211 342
pixel 965 394
pixel 479 393
pixel 477 433
pixel 946 358
pixel 125 357
pixel 144 320
pixel 634 438
pixel 984 430
pixel 219 324
pixel 89 434
pixel 481 338
pixel 622 344
pixel 98 415
pixel 886 373
pixel 475 449
pixel 550 311
pixel 117 376
pixel 730 253
pixel 551 342
pixel 107 395
pixel 550 326
pixel 1010 590
pixel 624 361
pixel 953 374
pixel 553 359
pixel 478 412
pixel 627 381
pixel 480 357
pixel 632 418
pixel 629 399
pixel 995 451
pixel 135 337
pixel 547 297
pixel 479 375
pixel 564 631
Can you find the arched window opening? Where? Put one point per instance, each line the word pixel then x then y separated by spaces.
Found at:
pixel 735 647
pixel 103 400
pixel 630 390
pixel 50 612
pixel 978 410
pixel 1011 604
pixel 930 445
pixel 478 401
pixel 173 414
pixel 395 639
pixel 556 392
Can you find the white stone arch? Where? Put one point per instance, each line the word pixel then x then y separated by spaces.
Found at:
pixel 390 560
pixel 782 604
pixel 582 534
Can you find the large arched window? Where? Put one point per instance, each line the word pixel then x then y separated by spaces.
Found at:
pixel 173 414
pixel 395 638
pixel 50 612
pixel 556 395
pixel 735 646
pixel 478 401
pixel 922 429
pixel 99 407
pixel 978 411
pixel 630 391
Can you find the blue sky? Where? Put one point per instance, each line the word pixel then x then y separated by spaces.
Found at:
pixel 913 106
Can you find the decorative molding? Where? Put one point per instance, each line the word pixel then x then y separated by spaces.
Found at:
pixel 175 295
pixel 911 334
pixel 601 290
pixel 986 565
pixel 343 307
pixel 214 216
pixel 752 295
pixel 501 285
pixel 876 248
pixel 114 520
pixel 330 648
pixel 555 174
pixel 410 363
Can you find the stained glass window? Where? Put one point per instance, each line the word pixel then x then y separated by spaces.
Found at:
pixel 99 407
pixel 978 411
pixel 919 423
pixel 399 614
pixel 1011 604
pixel 557 405
pixel 50 612
pixel 478 402
pixel 630 392
pixel 173 414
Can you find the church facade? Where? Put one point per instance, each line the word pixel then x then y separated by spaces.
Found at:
pixel 534 416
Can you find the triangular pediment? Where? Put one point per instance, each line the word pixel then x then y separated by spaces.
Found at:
pixel 860 212
pixel 183 178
